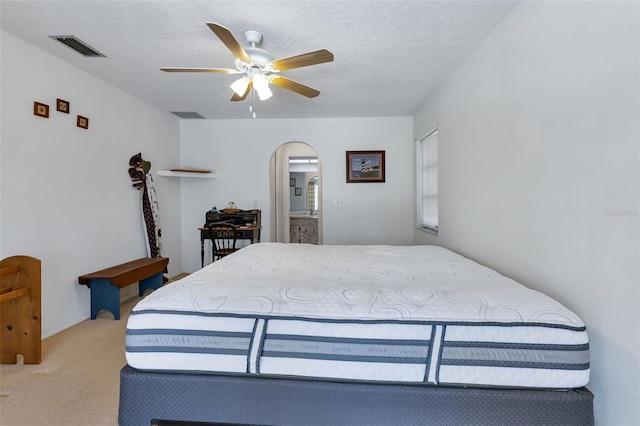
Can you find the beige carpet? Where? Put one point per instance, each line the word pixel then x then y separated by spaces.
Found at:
pixel 77 382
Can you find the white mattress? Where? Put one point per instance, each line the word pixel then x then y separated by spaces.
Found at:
pixel 416 314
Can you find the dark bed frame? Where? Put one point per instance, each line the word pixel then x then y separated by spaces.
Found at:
pixel 148 398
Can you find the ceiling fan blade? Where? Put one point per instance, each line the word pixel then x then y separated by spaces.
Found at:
pixel 230 41
pixel 236 97
pixel 218 70
pixel 304 60
pixel 294 86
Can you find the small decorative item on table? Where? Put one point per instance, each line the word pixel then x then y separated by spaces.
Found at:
pixel 230 208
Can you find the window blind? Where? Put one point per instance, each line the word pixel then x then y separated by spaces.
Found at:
pixel 428 146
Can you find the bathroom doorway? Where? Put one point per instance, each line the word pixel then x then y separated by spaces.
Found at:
pixel 303 199
pixel 296 194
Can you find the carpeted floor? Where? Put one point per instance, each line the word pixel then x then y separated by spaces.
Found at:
pixel 77 382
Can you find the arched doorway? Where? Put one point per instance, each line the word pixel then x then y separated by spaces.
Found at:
pixel 295 180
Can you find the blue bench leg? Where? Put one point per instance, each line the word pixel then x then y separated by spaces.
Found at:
pixel 104 296
pixel 154 282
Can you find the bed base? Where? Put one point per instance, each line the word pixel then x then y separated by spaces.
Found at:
pixel 149 396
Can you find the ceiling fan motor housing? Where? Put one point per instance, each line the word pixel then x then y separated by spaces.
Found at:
pixel 259 57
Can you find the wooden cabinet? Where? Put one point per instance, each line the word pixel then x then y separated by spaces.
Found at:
pixel 303 229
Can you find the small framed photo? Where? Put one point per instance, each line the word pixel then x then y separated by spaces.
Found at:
pixel 62 106
pixel 365 166
pixel 41 110
pixel 292 182
pixel 298 192
pixel 83 122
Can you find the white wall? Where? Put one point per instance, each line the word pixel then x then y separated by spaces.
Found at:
pixel 240 151
pixel 66 196
pixel 539 136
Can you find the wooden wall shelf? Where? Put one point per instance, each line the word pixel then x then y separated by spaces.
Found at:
pixel 188 173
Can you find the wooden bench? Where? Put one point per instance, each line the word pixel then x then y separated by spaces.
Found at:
pixel 20 287
pixel 105 285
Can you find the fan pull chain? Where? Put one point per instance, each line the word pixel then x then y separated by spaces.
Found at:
pixel 253 98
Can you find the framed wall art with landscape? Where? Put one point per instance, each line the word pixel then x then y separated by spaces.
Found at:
pixel 365 166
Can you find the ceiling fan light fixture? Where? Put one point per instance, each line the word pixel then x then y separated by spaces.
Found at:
pixel 258 68
pixel 260 81
pixel 264 93
pixel 240 85
pixel 261 84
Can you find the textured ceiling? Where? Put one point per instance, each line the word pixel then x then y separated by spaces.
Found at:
pixel 389 55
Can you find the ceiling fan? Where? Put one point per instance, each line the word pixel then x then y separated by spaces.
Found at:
pixel 258 67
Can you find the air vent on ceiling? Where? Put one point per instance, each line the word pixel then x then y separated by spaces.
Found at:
pixel 79 46
pixel 189 114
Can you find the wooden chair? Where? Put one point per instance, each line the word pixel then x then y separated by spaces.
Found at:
pixel 223 237
pixel 20 285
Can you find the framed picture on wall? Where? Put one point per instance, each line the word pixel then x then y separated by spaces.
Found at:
pixel 41 110
pixel 292 182
pixel 365 166
pixel 82 122
pixel 298 192
pixel 62 106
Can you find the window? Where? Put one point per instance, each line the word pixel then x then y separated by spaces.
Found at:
pixel 427 185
